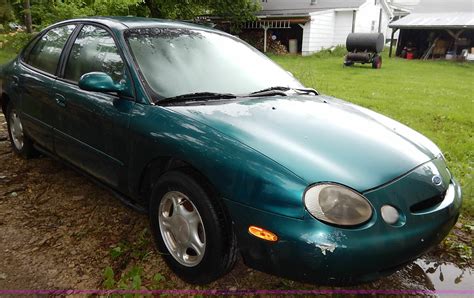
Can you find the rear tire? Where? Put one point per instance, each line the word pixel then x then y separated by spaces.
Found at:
pixel 191 228
pixel 377 62
pixel 21 143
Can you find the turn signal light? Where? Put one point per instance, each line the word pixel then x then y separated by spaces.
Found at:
pixel 263 234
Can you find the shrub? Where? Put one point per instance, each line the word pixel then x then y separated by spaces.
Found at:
pixel 14 42
pixel 337 51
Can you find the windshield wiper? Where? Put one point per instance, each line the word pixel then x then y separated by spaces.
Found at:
pixel 197 96
pixel 280 90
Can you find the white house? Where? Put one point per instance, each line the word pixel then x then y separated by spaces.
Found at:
pixel 321 24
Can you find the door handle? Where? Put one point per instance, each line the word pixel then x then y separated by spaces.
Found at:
pixel 60 100
pixel 16 80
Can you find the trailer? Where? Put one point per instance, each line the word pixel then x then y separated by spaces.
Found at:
pixel 364 48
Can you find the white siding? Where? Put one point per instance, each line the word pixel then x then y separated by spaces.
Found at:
pixel 330 28
pixel 307 34
pixel 343 27
pixel 319 32
pixel 368 14
pixel 387 32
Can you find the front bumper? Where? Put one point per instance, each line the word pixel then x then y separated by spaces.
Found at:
pixel 310 250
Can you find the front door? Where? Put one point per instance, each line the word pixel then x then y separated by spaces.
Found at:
pixel 92 128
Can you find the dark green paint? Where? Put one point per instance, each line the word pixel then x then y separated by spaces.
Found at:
pixel 100 82
pixel 260 154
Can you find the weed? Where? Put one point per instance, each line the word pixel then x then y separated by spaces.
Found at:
pixel 109 278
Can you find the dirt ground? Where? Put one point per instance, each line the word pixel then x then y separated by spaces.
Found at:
pixel 58 230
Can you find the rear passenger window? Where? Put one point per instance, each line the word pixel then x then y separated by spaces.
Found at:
pixel 94 50
pixel 47 51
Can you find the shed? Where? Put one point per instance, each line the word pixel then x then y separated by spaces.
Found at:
pixel 313 25
pixel 436 29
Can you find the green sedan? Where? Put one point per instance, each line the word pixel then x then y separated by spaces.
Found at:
pixel 227 153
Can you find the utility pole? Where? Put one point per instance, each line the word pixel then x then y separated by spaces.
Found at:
pixel 27 12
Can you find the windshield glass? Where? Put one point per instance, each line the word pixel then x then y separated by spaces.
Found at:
pixel 177 61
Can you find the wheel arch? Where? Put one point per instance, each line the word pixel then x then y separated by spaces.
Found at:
pixel 161 165
pixel 4 100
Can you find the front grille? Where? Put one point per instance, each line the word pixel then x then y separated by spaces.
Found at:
pixel 426 204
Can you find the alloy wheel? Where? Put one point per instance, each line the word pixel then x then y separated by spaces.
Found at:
pixel 182 228
pixel 16 130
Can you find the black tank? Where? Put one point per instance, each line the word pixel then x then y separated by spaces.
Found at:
pixel 370 42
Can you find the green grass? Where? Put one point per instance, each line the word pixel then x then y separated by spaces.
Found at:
pixel 5 56
pixel 434 97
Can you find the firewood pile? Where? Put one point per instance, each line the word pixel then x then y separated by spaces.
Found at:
pixel 255 38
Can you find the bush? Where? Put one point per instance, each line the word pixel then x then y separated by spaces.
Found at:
pixel 14 42
pixel 337 51
pixel 55 11
pixel 45 15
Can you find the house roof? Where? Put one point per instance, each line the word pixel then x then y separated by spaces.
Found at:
pixel 304 7
pixel 437 14
pixel 404 5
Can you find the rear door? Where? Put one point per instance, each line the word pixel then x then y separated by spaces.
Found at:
pixel 36 79
pixel 92 128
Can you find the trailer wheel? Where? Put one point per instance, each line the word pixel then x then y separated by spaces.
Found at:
pixel 377 62
pixel 348 63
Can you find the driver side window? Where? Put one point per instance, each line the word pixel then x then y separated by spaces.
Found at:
pixel 94 50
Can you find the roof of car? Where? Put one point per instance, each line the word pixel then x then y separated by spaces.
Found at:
pixel 122 23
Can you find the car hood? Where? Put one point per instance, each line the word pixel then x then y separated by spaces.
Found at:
pixel 320 138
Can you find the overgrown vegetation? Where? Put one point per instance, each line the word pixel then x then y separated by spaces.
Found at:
pixel 459 243
pixel 125 271
pixel 46 12
pixel 14 42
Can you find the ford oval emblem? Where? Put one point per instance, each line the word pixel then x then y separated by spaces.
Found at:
pixel 437 180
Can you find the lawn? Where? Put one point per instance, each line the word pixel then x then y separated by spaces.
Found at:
pixel 434 97
pixel 5 56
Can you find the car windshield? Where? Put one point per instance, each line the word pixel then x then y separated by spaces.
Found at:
pixel 176 61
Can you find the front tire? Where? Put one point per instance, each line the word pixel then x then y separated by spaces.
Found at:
pixel 21 143
pixel 191 229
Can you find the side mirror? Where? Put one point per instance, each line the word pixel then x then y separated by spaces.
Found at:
pixel 99 82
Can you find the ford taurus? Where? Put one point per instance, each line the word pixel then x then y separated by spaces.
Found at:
pixel 228 153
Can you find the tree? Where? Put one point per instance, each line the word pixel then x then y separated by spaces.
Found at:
pixel 6 12
pixel 46 12
pixel 176 9
pixel 27 13
pixel 236 11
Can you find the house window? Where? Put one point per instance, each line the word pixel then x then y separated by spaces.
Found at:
pixel 372 26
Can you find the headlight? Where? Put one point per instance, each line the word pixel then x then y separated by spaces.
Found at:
pixel 337 204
